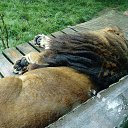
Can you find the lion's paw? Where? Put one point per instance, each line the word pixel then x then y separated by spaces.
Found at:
pixel 20 66
pixel 42 41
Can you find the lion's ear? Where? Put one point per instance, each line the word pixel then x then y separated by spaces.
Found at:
pixel 116 30
pixel 113 29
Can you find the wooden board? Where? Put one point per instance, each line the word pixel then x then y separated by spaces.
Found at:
pixel 111 18
pixel 25 48
pixel 12 54
pixel 79 29
pixel 69 31
pixel 56 34
pixel 6 68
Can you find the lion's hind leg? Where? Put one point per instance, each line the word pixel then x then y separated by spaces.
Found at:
pixel 10 88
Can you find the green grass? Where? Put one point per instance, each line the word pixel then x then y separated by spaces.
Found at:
pixel 27 18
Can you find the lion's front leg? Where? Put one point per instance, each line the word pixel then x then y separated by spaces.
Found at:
pixel 31 61
pixel 21 66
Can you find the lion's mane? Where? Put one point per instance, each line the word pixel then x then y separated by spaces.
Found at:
pixel 102 54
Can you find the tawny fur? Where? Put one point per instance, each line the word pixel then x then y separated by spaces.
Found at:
pixel 41 96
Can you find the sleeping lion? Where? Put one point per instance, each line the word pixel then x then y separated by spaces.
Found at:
pixel 68 72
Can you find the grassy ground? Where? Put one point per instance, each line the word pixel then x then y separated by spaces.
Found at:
pixel 26 18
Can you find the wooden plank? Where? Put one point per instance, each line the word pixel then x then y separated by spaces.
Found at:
pixel 6 68
pixel 112 18
pixel 69 31
pixel 25 48
pixel 56 34
pixel 79 29
pixel 50 36
pixel 12 54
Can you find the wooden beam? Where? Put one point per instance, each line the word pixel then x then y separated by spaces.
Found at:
pixel 6 68
pixel 56 34
pixel 69 31
pixel 79 29
pixel 25 48
pixel 12 54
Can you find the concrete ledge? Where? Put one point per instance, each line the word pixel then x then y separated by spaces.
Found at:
pixel 106 110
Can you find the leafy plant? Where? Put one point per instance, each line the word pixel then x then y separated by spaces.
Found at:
pixel 4 32
pixel 26 18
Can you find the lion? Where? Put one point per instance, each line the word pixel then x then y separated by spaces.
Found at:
pixel 101 54
pixel 70 70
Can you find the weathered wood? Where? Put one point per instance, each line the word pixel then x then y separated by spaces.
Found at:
pixel 50 36
pixel 56 34
pixel 79 29
pixel 25 48
pixel 112 18
pixel 12 54
pixel 69 31
pixel 6 68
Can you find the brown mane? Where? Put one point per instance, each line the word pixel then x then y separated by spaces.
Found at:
pixel 102 54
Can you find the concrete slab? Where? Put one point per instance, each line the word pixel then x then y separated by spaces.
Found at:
pixel 106 110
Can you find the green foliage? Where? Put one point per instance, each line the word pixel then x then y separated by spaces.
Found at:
pixel 3 32
pixel 27 18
